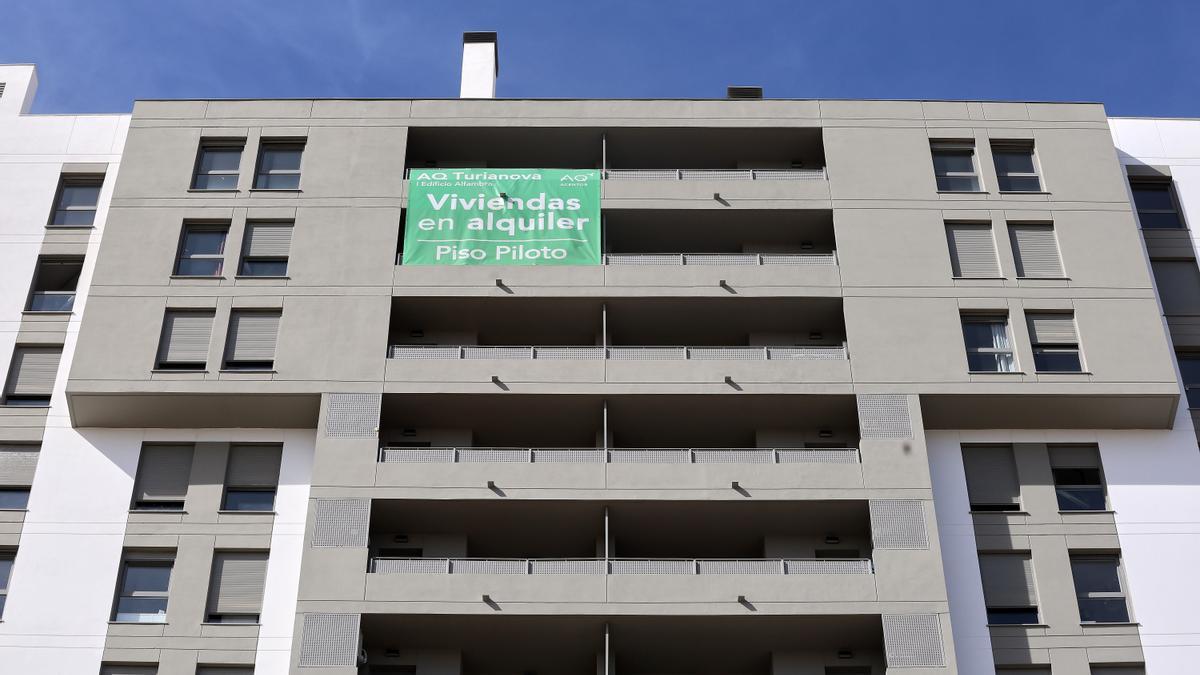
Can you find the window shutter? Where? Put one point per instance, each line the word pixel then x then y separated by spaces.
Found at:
pixel 33 371
pixel 1055 329
pixel 253 466
pixel 163 473
pixel 1074 457
pixel 1007 579
pixel 185 337
pixel 252 336
pixel 224 670
pixel 17 464
pixel 1036 251
pixel 972 250
pixel 268 240
pixel 237 583
pixel 991 475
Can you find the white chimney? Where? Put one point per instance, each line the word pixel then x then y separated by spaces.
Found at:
pixel 18 84
pixel 480 65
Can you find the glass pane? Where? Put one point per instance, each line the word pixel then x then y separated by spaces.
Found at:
pixel 1153 197
pixel 280 181
pixel 225 181
pixel 220 159
pixel 957 184
pixel 1096 576
pixel 1193 397
pixel 1019 183
pixel 249 500
pixel 1014 162
pixel 15 498
pixel 1157 221
pixel 1057 361
pixel 989 363
pixel 1103 610
pixel 1077 476
pixel 82 196
pixel 6 565
pixel 51 302
pixel 985 334
pixel 74 218
pixel 1018 615
pixel 145 579
pixel 279 159
pixel 264 268
pixel 203 242
pixel 147 610
pixel 953 161
pixel 1189 367
pixel 199 267
pixel 1081 498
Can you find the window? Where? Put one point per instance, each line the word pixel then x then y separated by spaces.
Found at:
pixel 972 250
pixel 224 670
pixel 1055 343
pixel 236 589
pixel 954 166
pixel 202 250
pixel 1008 588
pixel 1077 479
pixel 183 344
pixel 1189 368
pixel 988 347
pixel 279 165
pixel 162 477
pixel 6 565
pixel 31 376
pixel 117 669
pixel 17 465
pixel 1035 250
pixel 1156 204
pixel 1178 285
pixel 992 483
pixel 1138 669
pixel 1098 588
pixel 54 285
pixel 251 341
pixel 217 165
pixel 1016 170
pixel 265 252
pixel 144 582
pixel 75 205
pixel 251 477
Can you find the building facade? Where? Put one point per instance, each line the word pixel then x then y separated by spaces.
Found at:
pixel 859 387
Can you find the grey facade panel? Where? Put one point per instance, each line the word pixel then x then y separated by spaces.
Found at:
pixel 329 640
pixel 898 524
pixel 913 641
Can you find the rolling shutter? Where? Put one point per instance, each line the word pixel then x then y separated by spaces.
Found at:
pixel 17 464
pixel 1052 329
pixel 237 583
pixel 991 475
pixel 33 371
pixel 252 336
pixel 268 240
pixel 185 337
pixel 972 250
pixel 1074 457
pixel 163 473
pixel 1007 580
pixel 1036 251
pixel 253 466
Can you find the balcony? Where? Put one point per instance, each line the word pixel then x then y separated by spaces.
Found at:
pixel 455 444
pixel 629 551
pixel 730 344
pixel 620 645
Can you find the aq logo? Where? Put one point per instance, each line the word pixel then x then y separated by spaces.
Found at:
pixel 579 178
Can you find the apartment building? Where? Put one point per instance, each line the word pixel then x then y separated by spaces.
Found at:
pixel 830 388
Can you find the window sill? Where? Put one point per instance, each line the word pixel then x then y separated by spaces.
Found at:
pixel 275 190
pixel 203 190
pixel 256 624
pixel 999 513
pixel 14 510
pixel 70 227
pixel 47 312
pixel 996 372
pixel 160 511
pixel 179 370
pixel 1062 372
pixel 261 371
pixel 37 406
pixel 1018 625
pixel 1043 278
pixel 260 276
pixel 197 276
pixel 962 192
pixel 1087 511
pixel 247 512
pixel 1085 624
pixel 979 278
pixel 114 622
pixel 1022 192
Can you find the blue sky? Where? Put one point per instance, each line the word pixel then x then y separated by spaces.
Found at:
pixel 1139 57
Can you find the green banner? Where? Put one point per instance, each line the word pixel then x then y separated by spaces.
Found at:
pixel 503 217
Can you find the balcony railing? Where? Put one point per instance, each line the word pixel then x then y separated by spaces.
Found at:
pixel 52 301
pixel 713 259
pixel 473 352
pixel 622 566
pixel 474 455
pixel 714 174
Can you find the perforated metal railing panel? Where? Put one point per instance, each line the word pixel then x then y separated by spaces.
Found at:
pixel 329 640
pixel 898 524
pixel 341 523
pixel 883 416
pixel 913 641
pixel 352 415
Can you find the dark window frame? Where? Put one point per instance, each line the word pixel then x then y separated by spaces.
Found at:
pixel 66 180
pixel 247 259
pixel 1082 597
pixel 989 318
pixel 37 276
pixel 222 226
pixel 956 147
pixel 1168 185
pixel 1007 146
pixel 143 559
pixel 217 144
pixel 281 144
